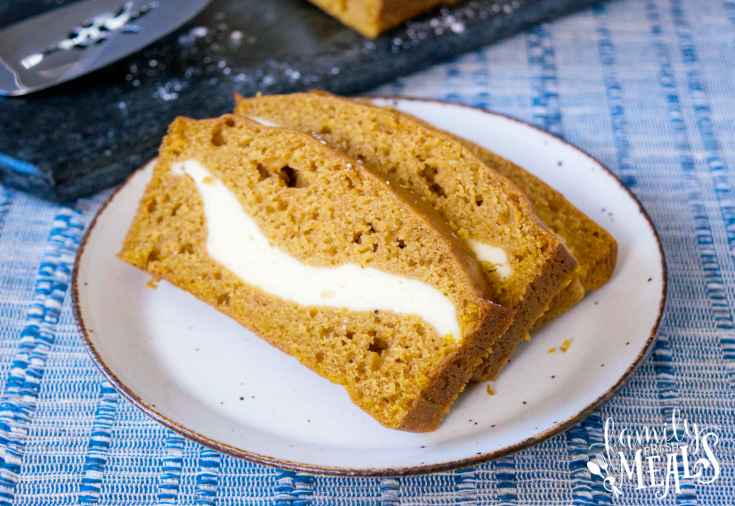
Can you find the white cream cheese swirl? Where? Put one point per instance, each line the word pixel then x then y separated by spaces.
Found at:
pixel 235 241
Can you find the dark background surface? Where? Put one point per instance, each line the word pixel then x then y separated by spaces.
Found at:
pixel 91 133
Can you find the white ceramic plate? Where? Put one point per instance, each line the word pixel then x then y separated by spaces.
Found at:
pixel 204 376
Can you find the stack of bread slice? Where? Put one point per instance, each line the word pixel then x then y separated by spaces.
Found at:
pixel 386 255
pixel 526 263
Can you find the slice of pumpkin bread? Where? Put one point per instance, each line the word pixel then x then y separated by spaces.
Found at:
pixel 524 263
pixel 315 253
pixel 591 245
pixel 371 17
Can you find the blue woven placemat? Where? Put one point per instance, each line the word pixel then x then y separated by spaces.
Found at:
pixel 646 86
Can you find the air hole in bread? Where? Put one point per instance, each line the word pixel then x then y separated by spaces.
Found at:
pixel 292 178
pixel 223 299
pixel 153 256
pixel 218 275
pixel 319 357
pixel 152 205
pixel 288 176
pixel 429 174
pixel 375 247
pixel 379 345
pixel 478 200
pixel 357 238
pixel 186 248
pixel 438 190
pixel 401 243
pixel 175 209
pixel 229 122
pixel 313 312
pixel 350 335
pixel 217 137
pixel 262 173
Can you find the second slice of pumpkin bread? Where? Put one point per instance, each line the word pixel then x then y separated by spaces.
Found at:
pixel 595 250
pixel 525 264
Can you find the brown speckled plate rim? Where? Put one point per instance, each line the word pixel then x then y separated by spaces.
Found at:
pixel 389 471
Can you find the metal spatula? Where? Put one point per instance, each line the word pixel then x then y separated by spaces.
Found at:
pixel 58 45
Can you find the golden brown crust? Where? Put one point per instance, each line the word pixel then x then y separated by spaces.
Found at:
pixel 601 269
pixel 477 202
pixel 395 12
pixel 456 371
pixel 540 293
pixel 284 181
pixel 562 302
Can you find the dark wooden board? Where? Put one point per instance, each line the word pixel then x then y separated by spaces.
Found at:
pixel 91 133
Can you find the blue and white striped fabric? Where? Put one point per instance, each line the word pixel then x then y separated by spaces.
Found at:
pixel 646 86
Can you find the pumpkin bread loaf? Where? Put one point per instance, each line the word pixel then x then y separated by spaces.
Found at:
pixel 524 263
pixel 371 17
pixel 316 215
pixel 591 245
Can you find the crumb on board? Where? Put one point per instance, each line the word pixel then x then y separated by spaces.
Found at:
pixel 207 180
pixel 490 390
pixel 153 282
pixel 552 350
pixel 527 337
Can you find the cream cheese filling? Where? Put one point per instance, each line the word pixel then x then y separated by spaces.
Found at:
pixel 493 255
pixel 235 241
pixel 262 121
